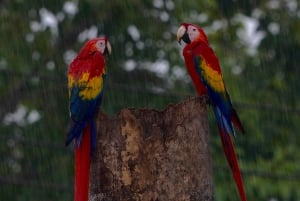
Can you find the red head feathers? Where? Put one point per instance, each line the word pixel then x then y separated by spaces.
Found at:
pixel 190 32
pixel 100 44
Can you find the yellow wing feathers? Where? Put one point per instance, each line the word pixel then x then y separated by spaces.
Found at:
pixel 211 76
pixel 89 88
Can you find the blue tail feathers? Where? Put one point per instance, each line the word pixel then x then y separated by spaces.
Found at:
pixel 75 131
pixel 224 122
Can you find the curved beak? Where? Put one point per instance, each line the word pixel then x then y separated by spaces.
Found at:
pixel 182 35
pixel 107 50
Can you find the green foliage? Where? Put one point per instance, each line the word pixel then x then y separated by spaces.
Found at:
pixel 39 38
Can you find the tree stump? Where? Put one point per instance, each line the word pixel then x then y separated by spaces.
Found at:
pixel 149 155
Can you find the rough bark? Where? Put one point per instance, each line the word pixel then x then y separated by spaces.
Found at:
pixel 149 155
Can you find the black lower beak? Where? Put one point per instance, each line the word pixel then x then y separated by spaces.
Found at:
pixel 186 38
pixel 106 53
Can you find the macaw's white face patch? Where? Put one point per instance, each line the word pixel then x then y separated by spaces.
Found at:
pixel 100 45
pixel 193 32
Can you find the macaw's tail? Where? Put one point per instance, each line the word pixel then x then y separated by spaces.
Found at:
pixel 236 121
pixel 82 166
pixel 230 153
pixel 75 132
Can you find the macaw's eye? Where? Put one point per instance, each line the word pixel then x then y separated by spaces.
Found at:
pixel 194 29
pixel 100 44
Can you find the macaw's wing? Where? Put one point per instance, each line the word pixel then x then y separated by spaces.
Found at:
pixel 207 66
pixel 85 92
pixel 85 96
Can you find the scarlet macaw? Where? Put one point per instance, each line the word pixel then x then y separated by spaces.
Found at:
pixel 204 69
pixel 85 82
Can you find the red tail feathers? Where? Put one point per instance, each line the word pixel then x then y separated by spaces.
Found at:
pixel 82 166
pixel 236 121
pixel 232 160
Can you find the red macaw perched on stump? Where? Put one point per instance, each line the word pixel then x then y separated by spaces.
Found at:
pixel 85 82
pixel 204 69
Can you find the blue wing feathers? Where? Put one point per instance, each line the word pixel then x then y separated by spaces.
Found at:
pixel 224 121
pixel 82 113
pixel 75 131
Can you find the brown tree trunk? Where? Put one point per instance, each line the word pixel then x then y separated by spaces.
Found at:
pixel 149 155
